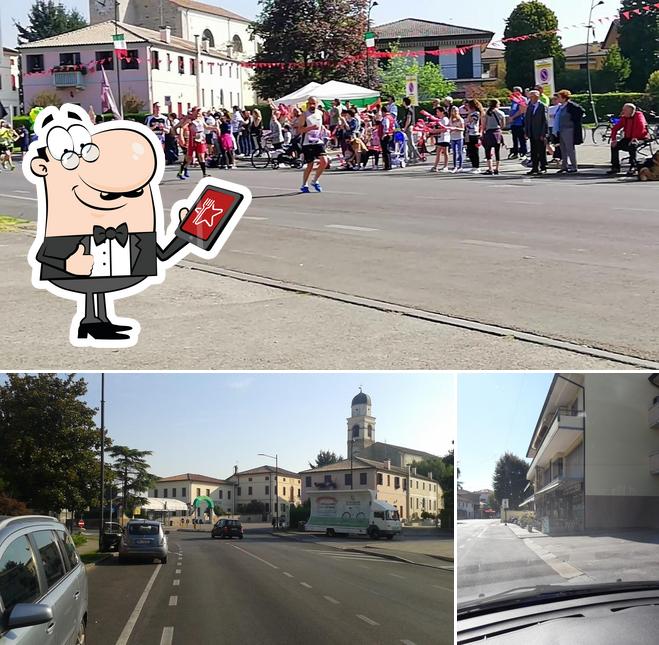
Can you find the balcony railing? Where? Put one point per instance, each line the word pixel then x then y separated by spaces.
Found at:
pixel 69 79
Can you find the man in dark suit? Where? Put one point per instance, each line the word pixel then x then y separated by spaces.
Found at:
pixel 100 214
pixel 536 127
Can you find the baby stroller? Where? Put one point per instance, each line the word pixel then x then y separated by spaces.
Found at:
pixel 398 150
pixel 290 155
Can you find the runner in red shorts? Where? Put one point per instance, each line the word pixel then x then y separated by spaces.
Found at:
pixel 193 140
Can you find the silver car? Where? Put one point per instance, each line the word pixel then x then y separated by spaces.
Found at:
pixel 143 539
pixel 43 584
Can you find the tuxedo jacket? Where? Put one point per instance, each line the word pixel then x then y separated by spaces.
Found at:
pixel 535 124
pixel 144 254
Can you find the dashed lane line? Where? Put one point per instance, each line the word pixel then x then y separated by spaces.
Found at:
pixel 176 583
pixel 29 199
pixel 177 572
pixel 367 620
pixel 288 575
pixel 173 601
pixel 133 618
pixel 307 585
pixel 395 575
pixel 274 566
pixel 334 601
pixel 345 227
pixel 406 642
pixel 167 636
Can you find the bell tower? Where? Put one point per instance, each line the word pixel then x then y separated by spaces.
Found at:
pixel 361 425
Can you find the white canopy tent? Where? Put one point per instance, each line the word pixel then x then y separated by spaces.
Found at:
pixel 168 504
pixel 299 96
pixel 344 91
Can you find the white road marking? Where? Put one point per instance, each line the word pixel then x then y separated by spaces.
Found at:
pixel 132 619
pixel 307 585
pixel 351 228
pixel 499 245
pixel 408 642
pixel 395 575
pixel 332 600
pixel 637 210
pixel 24 192
pixel 296 190
pixel 173 601
pixel 563 569
pixel 274 566
pixel 176 583
pixel 178 571
pixel 167 636
pixel 288 575
pixel 256 219
pixel 443 588
pixel 261 255
pixel 525 203
pixel 366 619
pixel 29 199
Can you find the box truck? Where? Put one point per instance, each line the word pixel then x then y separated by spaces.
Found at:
pixel 352 512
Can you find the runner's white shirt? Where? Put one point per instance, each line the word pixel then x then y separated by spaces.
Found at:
pixel 313 137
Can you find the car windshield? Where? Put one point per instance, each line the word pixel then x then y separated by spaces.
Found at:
pixel 558 473
pixel 392 515
pixel 143 529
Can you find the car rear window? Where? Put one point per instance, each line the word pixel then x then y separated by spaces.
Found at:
pixel 50 555
pixel 19 581
pixel 143 529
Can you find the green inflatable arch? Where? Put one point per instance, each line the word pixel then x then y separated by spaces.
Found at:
pixel 204 499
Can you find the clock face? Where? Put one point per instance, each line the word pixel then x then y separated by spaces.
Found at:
pixel 103 6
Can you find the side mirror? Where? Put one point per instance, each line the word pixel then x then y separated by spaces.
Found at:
pixel 27 615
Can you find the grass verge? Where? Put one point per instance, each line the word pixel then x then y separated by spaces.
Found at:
pixel 11 224
pixel 91 558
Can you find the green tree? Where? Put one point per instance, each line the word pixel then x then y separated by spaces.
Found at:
pixel 49 440
pixel 46 98
pixel 616 69
pixel 509 480
pixel 529 18
pixel 432 83
pixel 309 30
pixel 48 18
pixel 132 471
pixel 639 42
pixel 325 458
pixel 653 88
pixel 443 471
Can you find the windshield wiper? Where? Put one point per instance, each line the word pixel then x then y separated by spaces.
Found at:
pixel 549 593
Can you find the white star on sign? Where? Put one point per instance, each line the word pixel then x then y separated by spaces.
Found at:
pixel 207 213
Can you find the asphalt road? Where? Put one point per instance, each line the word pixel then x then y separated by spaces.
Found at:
pixel 491 559
pixel 572 258
pixel 265 589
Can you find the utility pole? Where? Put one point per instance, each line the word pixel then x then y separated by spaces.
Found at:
pixel 369 38
pixel 593 4
pixel 116 32
pixel 100 526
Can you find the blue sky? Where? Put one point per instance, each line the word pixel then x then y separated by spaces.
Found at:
pixel 497 413
pixel 487 15
pixel 206 423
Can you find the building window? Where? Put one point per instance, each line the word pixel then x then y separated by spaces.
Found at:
pixel 237 44
pixel 307 481
pixel 423 485
pixel 417 483
pixel 130 61
pixel 298 492
pixel 169 62
pixel 106 60
pixel 164 493
pixel 201 66
pixel 208 35
pixel 208 492
pixel 249 490
pixel 362 479
pixel 193 67
pixel 431 58
pixel 379 480
pixel 35 63
pixel 404 484
pixel 221 493
pixel 267 490
pixel 328 479
pixel 267 507
pixel 228 494
pixel 370 431
pixel 239 493
pixel 283 491
pixel 203 96
pixel 388 480
pixel 355 431
pixel 70 58
pixel 155 492
pixel 267 478
pixel 347 479
pixel 396 482
pixel 155 59
pixel 198 492
pixel 417 502
pixel 173 492
pixel 181 65
pixel 183 492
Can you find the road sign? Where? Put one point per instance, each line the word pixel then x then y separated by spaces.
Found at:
pixel 504 503
pixel 81 523
pixel 544 75
pixel 412 89
pixel 369 37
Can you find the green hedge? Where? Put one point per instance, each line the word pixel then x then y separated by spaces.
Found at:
pixel 25 120
pixel 611 103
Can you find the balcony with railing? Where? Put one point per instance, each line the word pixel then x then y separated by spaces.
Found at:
pixel 562 432
pixel 63 77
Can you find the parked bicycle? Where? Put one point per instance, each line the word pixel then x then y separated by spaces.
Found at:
pixel 289 155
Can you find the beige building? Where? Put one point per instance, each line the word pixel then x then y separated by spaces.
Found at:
pixel 595 453
pixel 276 488
pixel 410 493
pixel 188 486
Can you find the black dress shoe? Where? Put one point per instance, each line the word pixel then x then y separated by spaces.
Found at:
pixel 532 172
pixel 101 331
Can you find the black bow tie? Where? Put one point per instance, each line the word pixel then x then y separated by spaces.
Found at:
pixel 120 234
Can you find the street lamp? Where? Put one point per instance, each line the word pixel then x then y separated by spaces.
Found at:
pixel 371 4
pixel 276 458
pixel 593 5
pixel 102 482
